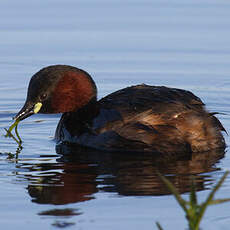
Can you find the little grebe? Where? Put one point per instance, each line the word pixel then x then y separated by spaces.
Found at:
pixel 139 118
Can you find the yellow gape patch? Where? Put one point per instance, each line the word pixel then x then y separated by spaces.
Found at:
pixel 37 107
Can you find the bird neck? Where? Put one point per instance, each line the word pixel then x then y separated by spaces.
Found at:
pixel 79 121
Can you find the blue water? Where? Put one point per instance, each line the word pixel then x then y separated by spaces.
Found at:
pixel 179 43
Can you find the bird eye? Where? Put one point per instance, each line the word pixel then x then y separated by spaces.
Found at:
pixel 43 96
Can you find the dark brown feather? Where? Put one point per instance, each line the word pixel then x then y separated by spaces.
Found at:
pixel 151 119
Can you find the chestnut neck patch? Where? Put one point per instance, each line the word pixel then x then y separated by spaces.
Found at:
pixel 73 91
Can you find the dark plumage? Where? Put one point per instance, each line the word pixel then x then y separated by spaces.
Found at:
pixel 139 118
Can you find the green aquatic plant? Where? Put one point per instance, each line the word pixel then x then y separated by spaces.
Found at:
pixel 9 133
pixel 194 211
pixel 12 156
pixel 17 139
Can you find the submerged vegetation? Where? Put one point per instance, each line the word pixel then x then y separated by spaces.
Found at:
pixel 9 133
pixel 194 211
pixel 16 138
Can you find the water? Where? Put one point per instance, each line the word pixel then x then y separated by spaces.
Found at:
pixel 183 44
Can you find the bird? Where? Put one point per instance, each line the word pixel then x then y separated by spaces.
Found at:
pixel 140 118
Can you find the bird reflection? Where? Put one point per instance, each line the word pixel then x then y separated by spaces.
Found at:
pixel 79 173
pixel 69 184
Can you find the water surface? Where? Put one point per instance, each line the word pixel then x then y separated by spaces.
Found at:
pixel 183 44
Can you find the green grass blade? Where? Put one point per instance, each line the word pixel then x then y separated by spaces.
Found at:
pixel 193 198
pixel 17 134
pixel 210 197
pixel 9 134
pixel 174 191
pixel 11 128
pixel 219 201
